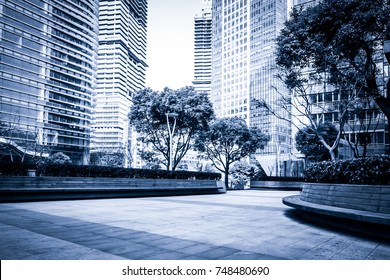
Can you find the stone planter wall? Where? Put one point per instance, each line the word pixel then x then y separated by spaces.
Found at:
pixel 358 208
pixel 276 185
pixel 373 198
pixel 55 188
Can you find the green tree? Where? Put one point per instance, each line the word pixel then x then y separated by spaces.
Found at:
pixel 150 159
pixel 59 158
pixel 341 40
pixel 309 144
pixel 148 116
pixel 241 173
pixel 228 140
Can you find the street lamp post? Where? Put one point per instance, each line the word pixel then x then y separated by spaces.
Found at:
pixel 174 116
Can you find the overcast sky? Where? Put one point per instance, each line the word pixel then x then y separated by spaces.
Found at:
pixel 170 52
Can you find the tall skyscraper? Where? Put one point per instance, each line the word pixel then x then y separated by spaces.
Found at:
pixel 202 49
pixel 244 33
pixel 48 62
pixel 231 58
pixel 121 73
pixel 267 19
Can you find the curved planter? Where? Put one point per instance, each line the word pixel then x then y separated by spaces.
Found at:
pixel 373 198
pixel 344 205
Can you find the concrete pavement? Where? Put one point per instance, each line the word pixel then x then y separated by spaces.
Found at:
pixel 248 224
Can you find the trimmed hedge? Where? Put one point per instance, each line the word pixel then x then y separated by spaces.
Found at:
pixel 370 170
pixel 71 170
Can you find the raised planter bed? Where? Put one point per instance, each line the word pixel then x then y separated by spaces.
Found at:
pixel 373 198
pixel 343 204
pixel 61 188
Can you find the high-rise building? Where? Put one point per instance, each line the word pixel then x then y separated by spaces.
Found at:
pixel 305 3
pixel 202 65
pixel 48 62
pixel 231 58
pixel 121 73
pixel 267 19
pixel 243 72
pixel 202 49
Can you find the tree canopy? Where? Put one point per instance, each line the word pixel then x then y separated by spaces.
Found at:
pixel 59 158
pixel 342 38
pixel 228 140
pixel 148 116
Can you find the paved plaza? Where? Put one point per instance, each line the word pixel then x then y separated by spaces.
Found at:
pixel 238 225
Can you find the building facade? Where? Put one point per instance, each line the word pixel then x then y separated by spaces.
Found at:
pixel 48 63
pixel 243 74
pixel 267 19
pixel 202 48
pixel 305 3
pixel 121 73
pixel 231 58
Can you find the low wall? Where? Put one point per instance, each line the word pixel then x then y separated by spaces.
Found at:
pixel 359 208
pixel 290 185
pixel 373 198
pixel 60 188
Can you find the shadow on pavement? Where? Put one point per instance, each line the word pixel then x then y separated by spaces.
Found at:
pixel 337 225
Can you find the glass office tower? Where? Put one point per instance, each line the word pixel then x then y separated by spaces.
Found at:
pixel 230 58
pixel 121 73
pixel 48 63
pixel 267 19
pixel 243 70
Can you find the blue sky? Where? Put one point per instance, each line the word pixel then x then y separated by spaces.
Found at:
pixel 171 42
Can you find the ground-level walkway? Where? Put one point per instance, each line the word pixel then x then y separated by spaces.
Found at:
pixel 249 224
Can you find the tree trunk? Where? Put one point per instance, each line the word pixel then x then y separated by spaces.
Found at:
pixel 332 148
pixel 227 175
pixel 226 179
pixel 332 154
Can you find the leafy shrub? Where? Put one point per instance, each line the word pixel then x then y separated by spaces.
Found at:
pixel 15 168
pixel 59 158
pixel 71 170
pixel 259 173
pixel 151 165
pixel 370 170
pixel 242 172
pixel 106 158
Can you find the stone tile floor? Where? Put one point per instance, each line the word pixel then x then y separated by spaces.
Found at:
pixel 238 225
